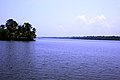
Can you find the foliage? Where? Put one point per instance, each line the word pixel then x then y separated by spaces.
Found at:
pixel 98 37
pixel 12 31
pixel 89 37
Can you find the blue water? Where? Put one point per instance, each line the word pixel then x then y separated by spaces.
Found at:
pixel 60 59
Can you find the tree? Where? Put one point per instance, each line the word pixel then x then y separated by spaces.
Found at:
pixel 34 30
pixel 2 26
pixel 13 31
pixel 11 25
pixel 27 26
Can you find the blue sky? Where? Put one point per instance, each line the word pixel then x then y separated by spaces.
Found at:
pixel 65 17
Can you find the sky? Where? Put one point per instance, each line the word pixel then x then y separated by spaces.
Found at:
pixel 54 18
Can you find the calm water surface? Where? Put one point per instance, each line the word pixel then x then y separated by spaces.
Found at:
pixel 60 59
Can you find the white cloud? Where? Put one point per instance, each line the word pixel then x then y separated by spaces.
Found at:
pixel 84 25
pixel 101 17
pixel 96 25
pixel 91 20
pixel 82 18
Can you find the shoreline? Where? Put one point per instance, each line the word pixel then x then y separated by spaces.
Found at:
pixel 115 38
pixel 17 40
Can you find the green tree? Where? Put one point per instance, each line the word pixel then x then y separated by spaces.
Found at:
pixel 27 26
pixel 11 25
pixel 12 31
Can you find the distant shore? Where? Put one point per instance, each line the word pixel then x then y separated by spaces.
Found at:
pixel 88 37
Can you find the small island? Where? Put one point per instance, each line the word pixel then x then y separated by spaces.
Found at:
pixel 13 31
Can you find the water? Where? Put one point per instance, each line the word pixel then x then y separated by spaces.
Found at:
pixel 60 59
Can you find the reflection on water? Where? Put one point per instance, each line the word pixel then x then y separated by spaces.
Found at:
pixel 16 59
pixel 55 59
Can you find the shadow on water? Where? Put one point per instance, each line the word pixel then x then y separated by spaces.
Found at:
pixel 16 60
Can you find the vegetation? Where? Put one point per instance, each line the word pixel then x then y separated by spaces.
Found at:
pixel 13 31
pixel 90 37
pixel 98 37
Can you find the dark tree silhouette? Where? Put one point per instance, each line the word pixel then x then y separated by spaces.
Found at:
pixel 2 26
pixel 34 30
pixel 12 31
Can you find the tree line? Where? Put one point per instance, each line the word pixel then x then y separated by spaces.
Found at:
pixel 89 37
pixel 13 31
pixel 98 37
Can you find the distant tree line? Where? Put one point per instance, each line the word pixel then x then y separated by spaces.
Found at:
pixel 98 37
pixel 13 31
pixel 89 37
